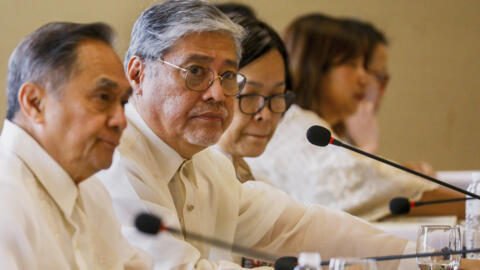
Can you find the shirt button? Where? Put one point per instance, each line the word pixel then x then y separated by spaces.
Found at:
pixel 190 207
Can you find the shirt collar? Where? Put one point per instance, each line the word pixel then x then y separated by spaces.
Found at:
pixel 167 159
pixel 53 177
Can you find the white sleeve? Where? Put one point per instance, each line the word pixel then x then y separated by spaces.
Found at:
pixel 289 228
pixel 407 264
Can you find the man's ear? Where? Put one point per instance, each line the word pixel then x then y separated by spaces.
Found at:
pixel 135 74
pixel 31 98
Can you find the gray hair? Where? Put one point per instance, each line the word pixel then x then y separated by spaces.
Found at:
pixel 47 57
pixel 160 26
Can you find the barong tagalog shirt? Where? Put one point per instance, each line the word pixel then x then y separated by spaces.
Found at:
pixel 331 176
pixel 48 222
pixel 148 175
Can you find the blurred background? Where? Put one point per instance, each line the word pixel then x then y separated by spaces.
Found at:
pixel 432 105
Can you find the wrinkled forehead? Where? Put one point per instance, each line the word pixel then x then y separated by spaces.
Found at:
pixel 206 47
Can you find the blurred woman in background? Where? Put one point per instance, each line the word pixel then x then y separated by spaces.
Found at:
pixel 361 128
pixel 330 80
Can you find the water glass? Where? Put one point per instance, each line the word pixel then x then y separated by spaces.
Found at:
pixel 472 219
pixel 438 238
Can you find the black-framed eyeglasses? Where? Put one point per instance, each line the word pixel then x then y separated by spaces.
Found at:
pixel 198 78
pixel 254 103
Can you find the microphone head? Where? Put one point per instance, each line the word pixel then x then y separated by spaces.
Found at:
pixel 399 206
pixel 286 263
pixel 148 223
pixel 319 135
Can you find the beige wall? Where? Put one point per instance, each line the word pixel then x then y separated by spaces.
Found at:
pixel 432 104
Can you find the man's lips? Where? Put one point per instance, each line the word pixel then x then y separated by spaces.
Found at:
pixel 111 142
pixel 211 116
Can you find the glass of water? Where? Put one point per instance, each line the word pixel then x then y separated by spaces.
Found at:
pixel 438 238
pixel 352 264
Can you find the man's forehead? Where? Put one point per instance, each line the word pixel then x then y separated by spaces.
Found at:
pixel 207 59
pixel 103 82
pixel 206 47
pixel 94 56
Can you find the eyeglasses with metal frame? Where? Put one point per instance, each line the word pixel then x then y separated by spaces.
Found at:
pixel 199 79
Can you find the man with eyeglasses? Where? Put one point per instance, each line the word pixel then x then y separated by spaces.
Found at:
pixel 182 66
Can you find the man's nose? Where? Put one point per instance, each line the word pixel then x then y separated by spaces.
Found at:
pixel 215 91
pixel 118 119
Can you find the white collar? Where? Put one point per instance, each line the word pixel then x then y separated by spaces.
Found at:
pixel 56 181
pixel 167 158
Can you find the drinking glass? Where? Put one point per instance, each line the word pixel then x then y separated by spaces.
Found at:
pixel 352 264
pixel 438 238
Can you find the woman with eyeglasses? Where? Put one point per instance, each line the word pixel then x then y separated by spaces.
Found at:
pixel 260 105
pixel 329 80
pixel 361 128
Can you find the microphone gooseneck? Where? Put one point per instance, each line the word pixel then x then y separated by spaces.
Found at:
pixel 289 263
pixel 151 224
pixel 401 205
pixel 316 136
pixel 418 255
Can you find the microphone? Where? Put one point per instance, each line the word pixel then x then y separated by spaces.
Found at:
pixel 401 205
pixel 321 136
pixel 151 224
pixel 286 263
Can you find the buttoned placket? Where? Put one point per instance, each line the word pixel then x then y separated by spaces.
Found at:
pixel 190 218
pixel 78 213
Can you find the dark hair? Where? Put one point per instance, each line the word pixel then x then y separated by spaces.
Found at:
pixel 316 43
pixel 260 39
pixel 47 57
pixel 369 35
pixel 235 8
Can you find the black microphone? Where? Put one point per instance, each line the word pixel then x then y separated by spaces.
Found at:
pixel 401 205
pixel 286 263
pixel 321 136
pixel 151 224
